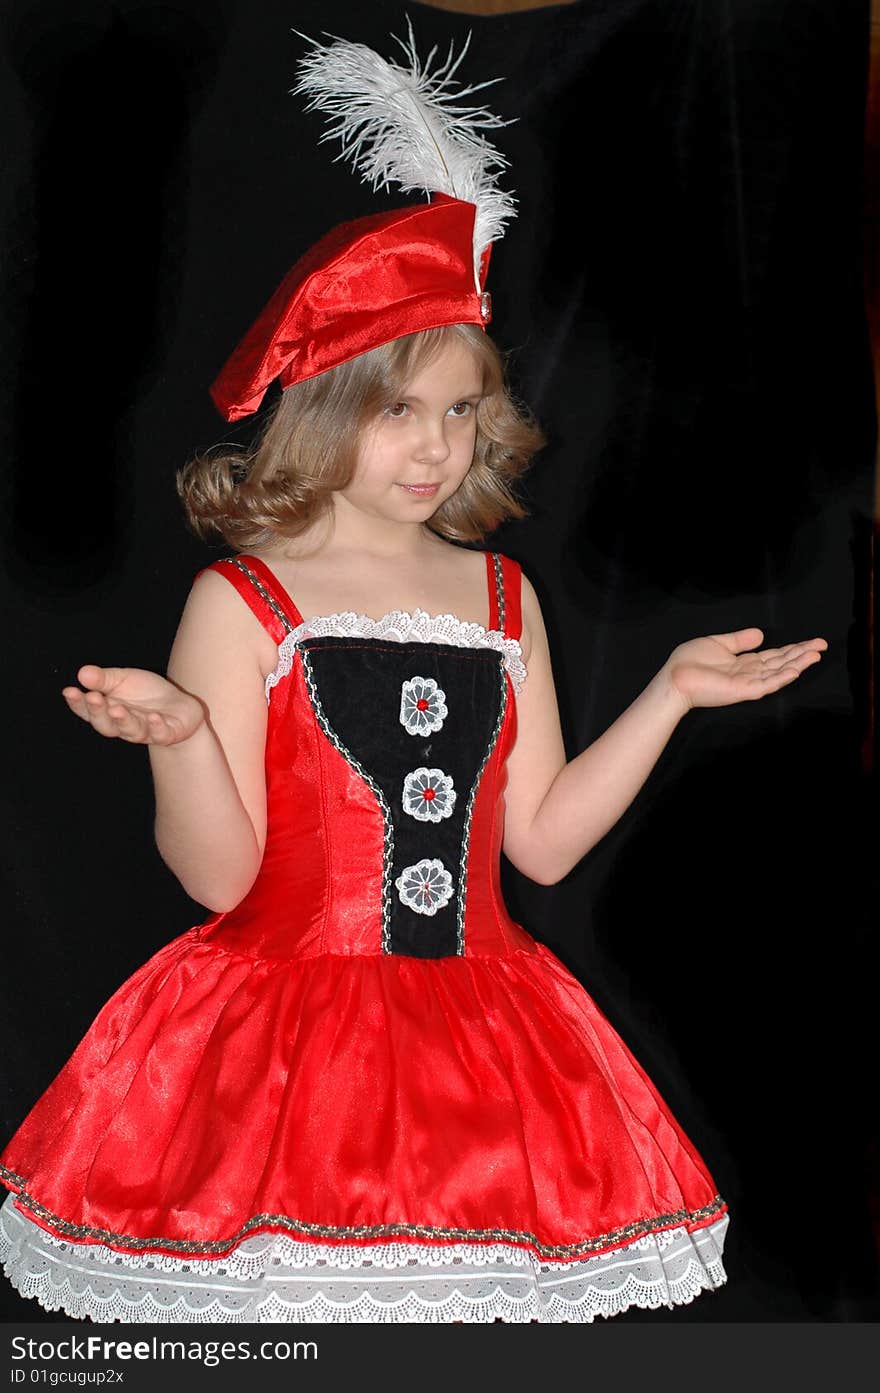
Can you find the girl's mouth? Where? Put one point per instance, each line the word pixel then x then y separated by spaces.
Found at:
pixel 421 490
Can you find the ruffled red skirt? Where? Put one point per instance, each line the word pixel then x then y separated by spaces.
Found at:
pixel 354 1099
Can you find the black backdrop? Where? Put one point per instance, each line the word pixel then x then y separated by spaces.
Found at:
pixel 681 298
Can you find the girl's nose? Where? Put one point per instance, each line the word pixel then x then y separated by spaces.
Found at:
pixel 431 446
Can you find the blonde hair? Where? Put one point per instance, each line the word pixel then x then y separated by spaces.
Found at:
pixel 308 449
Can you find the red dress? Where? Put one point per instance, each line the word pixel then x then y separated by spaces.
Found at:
pixel 365 1093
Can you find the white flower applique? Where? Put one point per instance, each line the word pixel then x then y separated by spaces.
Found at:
pixel 425 887
pixel 422 706
pixel 428 794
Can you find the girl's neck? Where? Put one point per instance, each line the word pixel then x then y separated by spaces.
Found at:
pixel 351 534
pixel 344 572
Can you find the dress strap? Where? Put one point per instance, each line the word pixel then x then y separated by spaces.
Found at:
pixel 504 578
pixel 262 591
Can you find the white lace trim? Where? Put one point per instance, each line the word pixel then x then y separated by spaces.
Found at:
pixel 399 626
pixel 273 1277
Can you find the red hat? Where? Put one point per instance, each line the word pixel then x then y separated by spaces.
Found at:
pixel 363 284
pixel 388 274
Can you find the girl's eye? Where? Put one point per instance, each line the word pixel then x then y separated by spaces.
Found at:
pixel 462 408
pixel 397 410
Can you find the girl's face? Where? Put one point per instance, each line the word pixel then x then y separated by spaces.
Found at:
pixel 420 449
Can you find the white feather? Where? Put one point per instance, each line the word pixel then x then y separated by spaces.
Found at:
pixel 407 126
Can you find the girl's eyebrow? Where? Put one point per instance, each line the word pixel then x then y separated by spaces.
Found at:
pixel 465 396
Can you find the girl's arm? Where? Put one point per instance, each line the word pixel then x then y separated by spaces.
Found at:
pixel 557 811
pixel 210 824
pixel 205 727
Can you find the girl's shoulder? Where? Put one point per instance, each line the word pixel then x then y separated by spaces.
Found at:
pixel 225 598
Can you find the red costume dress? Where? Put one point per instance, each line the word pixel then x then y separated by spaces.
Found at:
pixel 365 1094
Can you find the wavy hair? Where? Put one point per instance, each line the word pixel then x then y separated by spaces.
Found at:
pixel 308 449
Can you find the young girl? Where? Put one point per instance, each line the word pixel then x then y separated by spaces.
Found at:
pixel 359 1090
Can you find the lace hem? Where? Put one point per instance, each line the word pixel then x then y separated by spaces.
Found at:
pixel 274 1278
pixel 399 626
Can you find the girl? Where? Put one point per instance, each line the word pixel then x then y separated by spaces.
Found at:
pixel 359 1090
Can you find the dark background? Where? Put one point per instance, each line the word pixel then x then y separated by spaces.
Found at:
pixel 681 297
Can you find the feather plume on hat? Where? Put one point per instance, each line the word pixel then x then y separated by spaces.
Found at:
pixel 406 126
pixel 393 273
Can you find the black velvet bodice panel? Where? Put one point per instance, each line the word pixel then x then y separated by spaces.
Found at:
pixel 356 686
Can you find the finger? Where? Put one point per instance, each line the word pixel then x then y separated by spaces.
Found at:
pixel 128 724
pixel 88 703
pixel 740 640
pixel 122 721
pixel 76 702
pixel 135 727
pixel 145 727
pixel 97 713
pixel 783 678
pixel 90 675
pixel 163 731
pixel 101 679
pixel 764 684
pixel 799 661
pixel 793 650
pixel 80 703
pixel 152 728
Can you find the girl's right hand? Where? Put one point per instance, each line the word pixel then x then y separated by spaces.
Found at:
pixel 135 705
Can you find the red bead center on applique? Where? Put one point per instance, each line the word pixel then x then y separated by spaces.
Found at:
pixel 428 794
pixel 422 704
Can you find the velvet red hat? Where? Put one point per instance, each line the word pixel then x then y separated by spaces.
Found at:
pixel 389 274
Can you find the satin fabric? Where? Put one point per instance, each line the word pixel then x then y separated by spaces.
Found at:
pixel 466 1096
pixel 274 1069
pixel 363 284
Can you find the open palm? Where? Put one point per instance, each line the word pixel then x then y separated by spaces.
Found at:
pixel 721 669
pixel 134 704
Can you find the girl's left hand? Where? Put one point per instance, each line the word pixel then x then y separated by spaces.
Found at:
pixel 722 668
